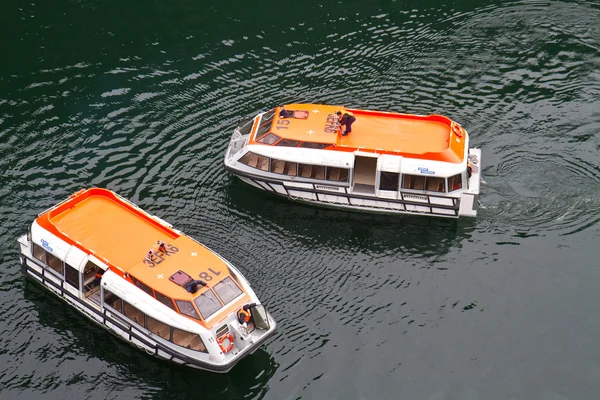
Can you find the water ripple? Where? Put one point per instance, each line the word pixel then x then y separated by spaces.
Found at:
pixel 149 115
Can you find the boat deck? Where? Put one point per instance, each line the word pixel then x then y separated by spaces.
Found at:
pixel 431 137
pixel 402 135
pixel 110 229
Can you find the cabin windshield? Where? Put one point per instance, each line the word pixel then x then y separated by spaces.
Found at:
pixel 246 127
pixel 265 123
pixel 227 290
pixel 269 139
pixel 207 304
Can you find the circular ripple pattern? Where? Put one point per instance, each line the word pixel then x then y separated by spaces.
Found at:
pixel 142 100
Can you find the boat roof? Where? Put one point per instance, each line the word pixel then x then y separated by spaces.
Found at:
pixel 432 137
pixel 114 230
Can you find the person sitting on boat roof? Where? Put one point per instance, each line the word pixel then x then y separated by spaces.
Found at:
pixel 346 120
pixel 192 287
pixel 283 113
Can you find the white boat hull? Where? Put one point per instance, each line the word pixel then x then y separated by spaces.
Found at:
pixel 356 203
pixel 122 327
pixel 343 196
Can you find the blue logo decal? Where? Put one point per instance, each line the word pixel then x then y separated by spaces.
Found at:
pixel 46 245
pixel 424 170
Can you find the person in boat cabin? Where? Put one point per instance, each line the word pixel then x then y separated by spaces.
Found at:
pixel 283 113
pixel 98 277
pixel 346 120
pixel 244 315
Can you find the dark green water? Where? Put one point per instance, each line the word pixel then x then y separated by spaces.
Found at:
pixel 141 97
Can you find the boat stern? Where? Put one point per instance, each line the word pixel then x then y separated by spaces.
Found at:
pixel 235 340
pixel 469 199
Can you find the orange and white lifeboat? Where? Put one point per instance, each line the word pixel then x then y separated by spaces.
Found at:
pixel 359 159
pixel 145 281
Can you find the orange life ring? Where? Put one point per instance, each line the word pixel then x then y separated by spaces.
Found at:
pixel 229 336
pixel 457 130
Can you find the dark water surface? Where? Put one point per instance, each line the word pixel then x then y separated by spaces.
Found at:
pixel 141 97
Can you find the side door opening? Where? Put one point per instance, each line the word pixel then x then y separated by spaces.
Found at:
pixel 91 277
pixel 365 172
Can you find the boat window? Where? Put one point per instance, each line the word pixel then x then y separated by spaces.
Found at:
pixel 142 286
pixel 190 340
pixel 312 145
pixel 435 184
pixel 249 159
pixel 133 313
pixel 55 263
pixel 263 129
pixel 112 300
pixel 265 123
pixel 389 181
pixel 268 116
pixel 337 174
pixel 269 139
pixel 455 182
pixel 227 290
pixel 311 171
pixel 167 301
pixel 207 304
pixel 415 182
pixel 283 167
pixel 158 328
pixel 48 259
pixel 288 143
pixel 263 163
pixel 255 161
pixel 39 253
pixel 186 308
pixel 318 172
pixel 72 276
pixel 246 127
pixel 305 170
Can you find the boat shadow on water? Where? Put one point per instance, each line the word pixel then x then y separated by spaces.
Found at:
pixel 413 234
pixel 87 341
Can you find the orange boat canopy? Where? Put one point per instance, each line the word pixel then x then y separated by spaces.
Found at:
pixel 432 137
pixel 120 235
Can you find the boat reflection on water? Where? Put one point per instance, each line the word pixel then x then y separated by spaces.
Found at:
pixel 371 232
